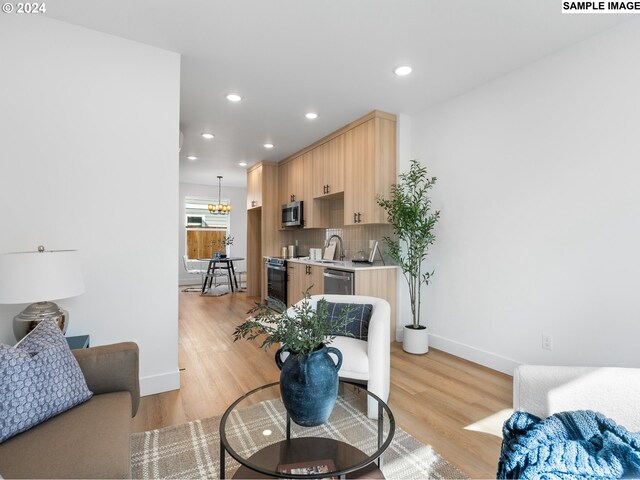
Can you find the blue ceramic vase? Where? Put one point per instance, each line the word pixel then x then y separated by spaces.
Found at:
pixel 309 384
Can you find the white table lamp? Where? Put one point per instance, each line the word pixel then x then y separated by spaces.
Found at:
pixel 41 277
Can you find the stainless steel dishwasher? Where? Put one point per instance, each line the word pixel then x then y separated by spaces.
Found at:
pixel 338 282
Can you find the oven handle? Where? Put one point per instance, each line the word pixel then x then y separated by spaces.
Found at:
pixel 277 267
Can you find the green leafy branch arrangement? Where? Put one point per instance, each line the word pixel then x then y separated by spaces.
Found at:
pixel 409 213
pixel 303 329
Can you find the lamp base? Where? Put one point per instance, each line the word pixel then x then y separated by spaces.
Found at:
pixel 31 316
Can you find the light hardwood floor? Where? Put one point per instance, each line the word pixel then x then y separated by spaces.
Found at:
pixel 433 396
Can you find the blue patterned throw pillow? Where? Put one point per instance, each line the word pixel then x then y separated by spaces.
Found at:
pixel 39 378
pixel 360 316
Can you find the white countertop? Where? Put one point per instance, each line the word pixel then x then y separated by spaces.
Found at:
pixel 341 265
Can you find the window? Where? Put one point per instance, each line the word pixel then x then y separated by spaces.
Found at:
pixel 205 231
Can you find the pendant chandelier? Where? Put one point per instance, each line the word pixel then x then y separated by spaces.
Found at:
pixel 219 208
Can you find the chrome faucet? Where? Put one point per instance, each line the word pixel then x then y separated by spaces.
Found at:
pixel 341 248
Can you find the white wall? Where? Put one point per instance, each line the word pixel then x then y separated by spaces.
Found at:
pixel 237 228
pixel 538 183
pixel 88 134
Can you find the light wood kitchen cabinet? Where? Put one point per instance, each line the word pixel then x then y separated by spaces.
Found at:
pixel 316 214
pixel 254 187
pixel 381 283
pixel 295 184
pixel 284 193
pixel 370 169
pixel 302 277
pixel 290 180
pixel 262 224
pixel 356 163
pixel 328 168
pixel 315 280
pixel 296 277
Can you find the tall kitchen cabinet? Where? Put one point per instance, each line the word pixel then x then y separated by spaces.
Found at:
pixel 370 168
pixel 263 220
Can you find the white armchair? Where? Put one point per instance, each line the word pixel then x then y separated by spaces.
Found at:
pixel 366 362
pixel 544 390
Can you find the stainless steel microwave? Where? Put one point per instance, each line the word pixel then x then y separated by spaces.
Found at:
pixel 292 214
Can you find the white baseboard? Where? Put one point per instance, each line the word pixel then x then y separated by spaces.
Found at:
pixel 473 354
pixel 164 382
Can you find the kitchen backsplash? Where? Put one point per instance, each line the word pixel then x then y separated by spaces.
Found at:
pixel 354 237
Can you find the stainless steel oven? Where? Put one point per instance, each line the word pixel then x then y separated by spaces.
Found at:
pixel 276 281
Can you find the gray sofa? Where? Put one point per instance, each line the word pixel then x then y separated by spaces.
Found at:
pixel 91 440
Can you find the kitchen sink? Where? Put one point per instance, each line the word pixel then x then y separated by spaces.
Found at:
pixel 325 261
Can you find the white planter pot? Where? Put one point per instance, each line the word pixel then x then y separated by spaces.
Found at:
pixel 415 341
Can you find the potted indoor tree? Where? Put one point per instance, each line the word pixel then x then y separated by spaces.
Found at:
pixel 308 375
pixel 412 219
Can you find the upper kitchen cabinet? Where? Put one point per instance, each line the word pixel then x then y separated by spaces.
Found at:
pixel 328 168
pixel 290 180
pixel 370 168
pixel 356 162
pixel 296 185
pixel 315 214
pixel 254 187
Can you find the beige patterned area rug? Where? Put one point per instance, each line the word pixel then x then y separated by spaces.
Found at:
pixel 192 450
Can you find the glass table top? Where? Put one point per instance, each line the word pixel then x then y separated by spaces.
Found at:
pixel 256 432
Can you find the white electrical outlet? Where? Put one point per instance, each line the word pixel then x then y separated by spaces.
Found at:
pixel 547 342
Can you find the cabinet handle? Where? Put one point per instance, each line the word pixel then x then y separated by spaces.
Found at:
pixel 355 217
pixel 327 189
pixel 359 221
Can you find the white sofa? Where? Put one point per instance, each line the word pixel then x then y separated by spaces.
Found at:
pixel 366 362
pixel 545 390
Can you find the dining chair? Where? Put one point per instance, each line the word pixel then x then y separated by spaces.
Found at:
pixel 194 267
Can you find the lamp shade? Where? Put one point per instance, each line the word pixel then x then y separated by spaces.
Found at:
pixel 28 277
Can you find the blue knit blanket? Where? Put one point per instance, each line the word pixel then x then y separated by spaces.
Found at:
pixel 582 444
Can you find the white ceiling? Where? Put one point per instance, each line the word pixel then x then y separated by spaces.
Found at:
pixel 334 57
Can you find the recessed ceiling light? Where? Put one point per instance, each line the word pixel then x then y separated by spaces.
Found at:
pixel 311 115
pixel 268 145
pixel 208 136
pixel 243 164
pixel 403 70
pixel 232 97
pixel 192 157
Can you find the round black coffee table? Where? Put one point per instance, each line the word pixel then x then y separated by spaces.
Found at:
pixel 257 432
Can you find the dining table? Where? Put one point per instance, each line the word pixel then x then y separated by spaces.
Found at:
pixel 220 263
